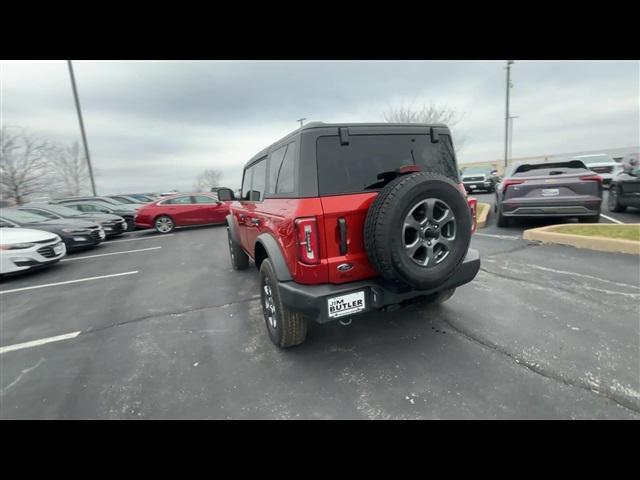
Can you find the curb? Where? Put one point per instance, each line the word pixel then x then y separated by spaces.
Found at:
pixel 483 210
pixel 601 244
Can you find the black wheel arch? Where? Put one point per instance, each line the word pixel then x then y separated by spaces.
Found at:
pixel 267 247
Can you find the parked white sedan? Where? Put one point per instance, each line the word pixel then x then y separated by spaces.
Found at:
pixel 24 248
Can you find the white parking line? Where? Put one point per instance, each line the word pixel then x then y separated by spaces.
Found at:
pixel 67 282
pixel 140 238
pixel 611 219
pixel 502 237
pixel 69 259
pixel 35 343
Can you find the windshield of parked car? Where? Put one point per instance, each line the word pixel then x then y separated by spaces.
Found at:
pixel 20 216
pixel 596 159
pixel 62 211
pixel 477 170
pixel 364 162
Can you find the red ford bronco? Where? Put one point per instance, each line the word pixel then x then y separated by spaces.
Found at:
pixel 341 219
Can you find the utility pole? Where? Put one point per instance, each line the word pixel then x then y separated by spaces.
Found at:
pixel 84 135
pixel 511 117
pixel 506 116
pixel 301 120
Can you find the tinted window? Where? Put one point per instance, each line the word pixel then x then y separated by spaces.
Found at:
pixel 246 183
pixel 274 167
pixel 362 163
pixel 259 181
pixel 204 199
pixel 285 176
pixel 178 201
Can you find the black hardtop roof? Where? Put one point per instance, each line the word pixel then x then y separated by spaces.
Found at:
pixel 312 125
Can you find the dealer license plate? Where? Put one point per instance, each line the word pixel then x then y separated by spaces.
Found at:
pixel 550 192
pixel 346 304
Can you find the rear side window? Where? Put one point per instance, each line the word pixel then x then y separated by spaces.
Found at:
pixel 275 162
pixel 285 176
pixel 178 201
pixel 204 199
pixel 362 164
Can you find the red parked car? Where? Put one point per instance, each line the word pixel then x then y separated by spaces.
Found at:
pixel 182 210
pixel 345 219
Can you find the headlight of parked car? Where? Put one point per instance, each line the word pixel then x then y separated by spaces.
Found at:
pixel 16 246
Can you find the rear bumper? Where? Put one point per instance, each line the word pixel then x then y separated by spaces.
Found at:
pixel 551 207
pixel 311 300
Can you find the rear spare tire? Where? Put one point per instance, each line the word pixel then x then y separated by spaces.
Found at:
pixel 418 230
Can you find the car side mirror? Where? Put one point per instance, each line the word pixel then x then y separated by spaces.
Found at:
pixel 225 195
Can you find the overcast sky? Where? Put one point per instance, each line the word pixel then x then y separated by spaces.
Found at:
pixel 155 125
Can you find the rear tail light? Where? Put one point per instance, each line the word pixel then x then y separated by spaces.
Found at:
pixel 508 183
pixel 473 206
pixel 308 246
pixel 594 178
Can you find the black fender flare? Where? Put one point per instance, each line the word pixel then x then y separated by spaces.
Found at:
pixel 275 256
pixel 231 227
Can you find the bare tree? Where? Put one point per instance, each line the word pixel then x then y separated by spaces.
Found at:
pixel 23 164
pixel 431 113
pixel 69 171
pixel 207 179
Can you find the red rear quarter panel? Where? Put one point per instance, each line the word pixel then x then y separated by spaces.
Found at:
pixel 278 220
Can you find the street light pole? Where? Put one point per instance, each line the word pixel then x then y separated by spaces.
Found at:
pixel 511 117
pixel 84 135
pixel 506 116
pixel 301 120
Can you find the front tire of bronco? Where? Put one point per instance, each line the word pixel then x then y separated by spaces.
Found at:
pixel 286 328
pixel 239 259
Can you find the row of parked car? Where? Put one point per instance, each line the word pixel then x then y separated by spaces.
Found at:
pixel 40 233
pixel 562 189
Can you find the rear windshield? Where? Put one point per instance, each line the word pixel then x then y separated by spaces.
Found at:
pixel 362 164
pixel 546 169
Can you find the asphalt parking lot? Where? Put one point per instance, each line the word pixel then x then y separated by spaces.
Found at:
pixel 161 327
